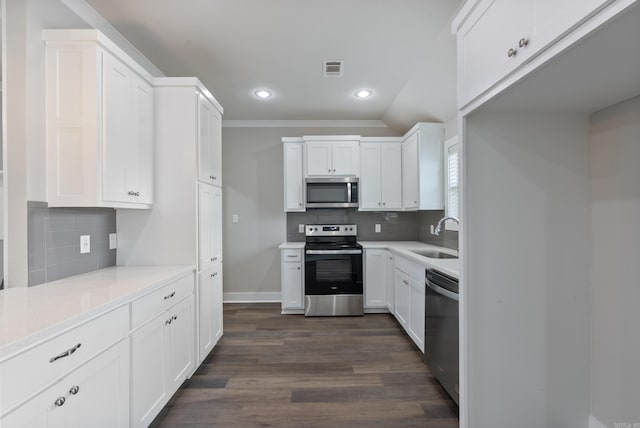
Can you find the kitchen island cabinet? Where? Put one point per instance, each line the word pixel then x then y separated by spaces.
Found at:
pixel 84 337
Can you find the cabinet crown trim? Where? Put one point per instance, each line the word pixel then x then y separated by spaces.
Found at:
pixel 94 36
pixel 188 82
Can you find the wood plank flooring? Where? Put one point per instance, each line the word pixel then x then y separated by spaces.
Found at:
pixel 272 370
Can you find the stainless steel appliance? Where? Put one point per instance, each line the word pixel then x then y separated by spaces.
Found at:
pixel 333 192
pixel 333 271
pixel 441 330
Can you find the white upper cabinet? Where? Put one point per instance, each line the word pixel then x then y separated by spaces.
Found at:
pixel 100 119
pixel 380 176
pixel 209 142
pixel 335 155
pixel 422 169
pixel 496 36
pixel 293 177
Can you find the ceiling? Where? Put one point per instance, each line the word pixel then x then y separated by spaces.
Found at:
pixel 402 49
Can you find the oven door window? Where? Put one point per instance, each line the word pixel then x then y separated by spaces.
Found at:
pixel 333 274
pixel 327 192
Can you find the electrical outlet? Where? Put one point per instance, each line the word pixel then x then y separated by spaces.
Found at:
pixel 235 218
pixel 113 241
pixel 85 244
pixel 301 228
pixel 378 228
pixel 432 229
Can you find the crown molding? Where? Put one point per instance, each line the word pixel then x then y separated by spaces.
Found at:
pixel 303 124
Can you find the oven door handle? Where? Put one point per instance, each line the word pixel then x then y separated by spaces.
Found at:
pixel 333 252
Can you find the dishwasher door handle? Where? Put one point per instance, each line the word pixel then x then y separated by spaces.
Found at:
pixel 451 295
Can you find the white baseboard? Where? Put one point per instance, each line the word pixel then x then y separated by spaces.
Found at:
pixel 251 297
pixel 594 423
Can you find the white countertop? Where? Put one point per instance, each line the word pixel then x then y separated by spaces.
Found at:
pixel 28 315
pixel 291 245
pixel 403 248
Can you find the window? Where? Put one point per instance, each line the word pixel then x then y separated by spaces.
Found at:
pixel 451 181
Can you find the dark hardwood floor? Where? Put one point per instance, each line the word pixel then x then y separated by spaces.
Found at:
pixel 272 370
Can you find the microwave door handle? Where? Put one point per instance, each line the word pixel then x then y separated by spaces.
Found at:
pixel 348 193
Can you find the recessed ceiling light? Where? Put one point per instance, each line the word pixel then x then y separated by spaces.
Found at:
pixel 363 93
pixel 263 93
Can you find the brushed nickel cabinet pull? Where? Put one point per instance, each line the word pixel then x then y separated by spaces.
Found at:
pixel 66 353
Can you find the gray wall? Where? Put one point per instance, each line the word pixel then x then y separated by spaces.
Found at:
pixel 253 188
pixel 54 241
pixel 615 210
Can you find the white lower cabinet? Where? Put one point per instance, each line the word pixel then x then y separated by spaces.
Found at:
pixel 292 282
pixel 402 294
pixel 162 357
pixel 96 394
pixel 391 306
pixel 210 309
pixel 416 311
pixel 409 296
pixel 375 278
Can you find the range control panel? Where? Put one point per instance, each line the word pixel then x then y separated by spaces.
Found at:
pixel 331 230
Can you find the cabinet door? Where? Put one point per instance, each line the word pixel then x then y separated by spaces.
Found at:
pixel 370 179
pixel 209 309
pixel 553 18
pixel 345 158
pixel 390 282
pixel 292 285
pixel 207 136
pixel 410 189
pixel 484 45
pixel 140 166
pixel 99 398
pixel 216 145
pixel 375 286
pixel 216 245
pixel 318 158
pixel 117 133
pixel 401 297
pixel 416 311
pixel 391 176
pixel 293 177
pixel 206 226
pixel 180 330
pixel 149 376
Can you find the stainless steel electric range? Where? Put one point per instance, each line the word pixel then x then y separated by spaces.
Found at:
pixel 333 271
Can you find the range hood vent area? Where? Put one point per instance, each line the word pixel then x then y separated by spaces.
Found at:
pixel 333 68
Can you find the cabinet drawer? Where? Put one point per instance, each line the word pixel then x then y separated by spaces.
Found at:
pixel 28 373
pixel 149 306
pixel 291 255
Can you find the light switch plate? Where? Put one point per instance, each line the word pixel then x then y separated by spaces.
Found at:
pixel 235 218
pixel 378 228
pixel 301 228
pixel 85 244
pixel 113 241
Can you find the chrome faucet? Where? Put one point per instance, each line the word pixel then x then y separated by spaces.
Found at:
pixel 442 220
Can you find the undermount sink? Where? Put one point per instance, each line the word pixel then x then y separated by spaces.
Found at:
pixel 434 254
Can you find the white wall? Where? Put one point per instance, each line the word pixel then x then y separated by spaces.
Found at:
pixel 526 270
pixel 252 162
pixel 615 215
pixel 451 128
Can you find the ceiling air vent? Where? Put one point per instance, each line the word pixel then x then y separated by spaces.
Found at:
pixel 333 68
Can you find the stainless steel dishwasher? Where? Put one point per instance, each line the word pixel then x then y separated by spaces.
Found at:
pixel 441 330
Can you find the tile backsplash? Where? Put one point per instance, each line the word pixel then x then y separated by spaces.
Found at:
pixel 54 241
pixel 395 226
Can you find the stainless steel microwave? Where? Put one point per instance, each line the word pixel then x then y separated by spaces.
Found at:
pixel 333 192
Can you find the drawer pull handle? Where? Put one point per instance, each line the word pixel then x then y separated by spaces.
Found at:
pixel 168 296
pixel 59 402
pixel 292 255
pixel 65 353
pixel 74 390
pixel 170 320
